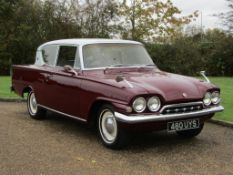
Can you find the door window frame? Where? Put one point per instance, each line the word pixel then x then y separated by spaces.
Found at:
pixel 76 54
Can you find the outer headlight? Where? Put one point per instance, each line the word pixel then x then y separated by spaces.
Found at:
pixel 139 104
pixel 215 97
pixel 207 99
pixel 153 104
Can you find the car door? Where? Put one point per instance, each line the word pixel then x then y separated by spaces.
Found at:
pixel 43 86
pixel 65 85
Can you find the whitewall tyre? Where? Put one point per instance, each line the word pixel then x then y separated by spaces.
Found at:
pixel 34 110
pixel 110 133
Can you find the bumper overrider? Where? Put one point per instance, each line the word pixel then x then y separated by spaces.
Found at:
pixel 131 119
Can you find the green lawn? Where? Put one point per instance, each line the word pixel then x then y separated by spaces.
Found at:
pixel 225 83
pixel 5 83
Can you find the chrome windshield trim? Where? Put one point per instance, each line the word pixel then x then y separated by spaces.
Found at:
pixel 180 105
pixel 131 119
pixel 62 113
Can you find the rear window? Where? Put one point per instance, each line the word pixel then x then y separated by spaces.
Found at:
pixel 49 54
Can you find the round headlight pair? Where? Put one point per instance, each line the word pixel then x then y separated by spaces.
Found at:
pixel 153 104
pixel 215 97
pixel 211 98
pixel 139 104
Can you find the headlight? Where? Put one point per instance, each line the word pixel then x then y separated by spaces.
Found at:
pixel 139 104
pixel 215 98
pixel 153 104
pixel 207 99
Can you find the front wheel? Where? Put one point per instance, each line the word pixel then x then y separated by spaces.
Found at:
pixel 110 133
pixel 191 133
pixel 34 110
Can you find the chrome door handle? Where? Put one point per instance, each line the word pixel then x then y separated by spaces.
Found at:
pixel 47 77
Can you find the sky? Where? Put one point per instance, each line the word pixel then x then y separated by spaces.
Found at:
pixel 207 7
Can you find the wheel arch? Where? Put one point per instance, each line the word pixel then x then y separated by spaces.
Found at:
pixel 94 109
pixel 26 89
pixel 117 105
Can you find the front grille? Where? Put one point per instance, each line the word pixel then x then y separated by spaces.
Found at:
pixel 182 108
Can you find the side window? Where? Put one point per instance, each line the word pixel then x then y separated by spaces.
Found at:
pixel 66 56
pixel 77 60
pixel 49 54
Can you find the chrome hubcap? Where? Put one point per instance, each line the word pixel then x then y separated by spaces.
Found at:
pixel 33 103
pixel 108 126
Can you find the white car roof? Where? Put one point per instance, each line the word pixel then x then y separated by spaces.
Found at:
pixel 87 41
pixel 39 58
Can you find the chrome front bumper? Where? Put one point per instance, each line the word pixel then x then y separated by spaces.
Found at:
pixel 131 119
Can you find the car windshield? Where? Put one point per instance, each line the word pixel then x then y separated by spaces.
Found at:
pixel 115 55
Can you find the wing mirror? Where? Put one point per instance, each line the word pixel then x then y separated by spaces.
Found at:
pixel 68 68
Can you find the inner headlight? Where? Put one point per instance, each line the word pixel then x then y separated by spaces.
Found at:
pixel 207 99
pixel 215 98
pixel 139 104
pixel 153 104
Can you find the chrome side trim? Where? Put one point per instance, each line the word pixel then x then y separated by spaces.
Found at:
pixel 166 117
pixel 180 105
pixel 62 113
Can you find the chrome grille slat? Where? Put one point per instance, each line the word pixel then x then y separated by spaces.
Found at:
pixel 182 108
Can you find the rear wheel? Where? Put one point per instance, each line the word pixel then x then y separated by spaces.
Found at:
pixel 110 133
pixel 34 110
pixel 191 133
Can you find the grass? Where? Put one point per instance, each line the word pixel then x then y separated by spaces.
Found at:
pixel 225 83
pixel 5 93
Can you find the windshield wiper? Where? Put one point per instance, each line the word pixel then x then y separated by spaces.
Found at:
pixel 129 65
pixel 120 65
pixel 151 65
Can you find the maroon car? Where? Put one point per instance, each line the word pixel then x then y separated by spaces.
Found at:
pixel 115 85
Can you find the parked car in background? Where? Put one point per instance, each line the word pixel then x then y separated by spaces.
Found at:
pixel 114 85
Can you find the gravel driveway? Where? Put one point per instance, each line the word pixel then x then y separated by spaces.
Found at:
pixel 59 145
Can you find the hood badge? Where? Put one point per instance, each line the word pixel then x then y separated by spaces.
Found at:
pixel 184 95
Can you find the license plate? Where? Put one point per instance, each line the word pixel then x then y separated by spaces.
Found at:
pixel 183 125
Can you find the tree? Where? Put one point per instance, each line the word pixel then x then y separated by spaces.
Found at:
pixel 7 30
pixel 227 17
pixel 25 24
pixel 96 17
pixel 147 19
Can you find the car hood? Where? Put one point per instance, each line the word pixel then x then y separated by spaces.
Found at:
pixel 171 87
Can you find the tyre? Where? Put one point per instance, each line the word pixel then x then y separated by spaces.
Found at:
pixel 110 133
pixel 190 133
pixel 34 110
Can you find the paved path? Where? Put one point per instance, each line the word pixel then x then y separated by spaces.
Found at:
pixel 63 146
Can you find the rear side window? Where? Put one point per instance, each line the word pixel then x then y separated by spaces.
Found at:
pixel 66 55
pixel 49 54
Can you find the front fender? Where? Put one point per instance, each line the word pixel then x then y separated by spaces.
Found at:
pixel 119 106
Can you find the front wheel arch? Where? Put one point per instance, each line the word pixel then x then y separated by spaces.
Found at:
pixel 94 109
